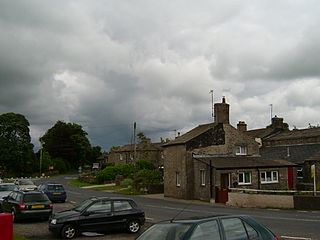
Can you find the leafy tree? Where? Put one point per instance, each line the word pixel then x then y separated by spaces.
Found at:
pixel 69 141
pixel 16 150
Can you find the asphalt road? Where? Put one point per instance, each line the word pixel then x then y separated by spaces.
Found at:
pixel 289 224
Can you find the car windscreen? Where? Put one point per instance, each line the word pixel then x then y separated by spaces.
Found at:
pixel 83 205
pixel 164 231
pixel 7 187
pixel 36 197
pixel 25 182
pixel 55 187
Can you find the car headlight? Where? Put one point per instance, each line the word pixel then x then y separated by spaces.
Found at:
pixel 53 221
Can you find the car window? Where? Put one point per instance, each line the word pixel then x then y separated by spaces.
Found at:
pixel 165 231
pixel 18 197
pixel 206 231
pixel 25 182
pixel 251 231
pixel 7 187
pixel 35 198
pixel 100 206
pixel 234 229
pixel 55 187
pixel 121 206
pixel 13 195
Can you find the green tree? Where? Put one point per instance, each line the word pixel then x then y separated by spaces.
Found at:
pixel 68 141
pixel 16 150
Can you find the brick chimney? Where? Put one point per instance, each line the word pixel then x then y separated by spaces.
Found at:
pixel 242 126
pixel 221 112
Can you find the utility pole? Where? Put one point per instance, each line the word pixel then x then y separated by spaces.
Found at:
pixel 40 160
pixel 271 113
pixel 134 141
pixel 211 92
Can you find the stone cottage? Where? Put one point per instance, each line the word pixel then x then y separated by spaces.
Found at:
pixel 217 156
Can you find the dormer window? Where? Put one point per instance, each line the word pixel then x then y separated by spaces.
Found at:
pixel 241 150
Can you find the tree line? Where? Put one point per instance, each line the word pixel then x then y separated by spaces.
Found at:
pixel 65 146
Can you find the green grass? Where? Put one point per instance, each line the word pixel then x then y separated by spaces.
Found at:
pixel 18 237
pixel 78 183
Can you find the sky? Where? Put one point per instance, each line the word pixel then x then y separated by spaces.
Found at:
pixel 107 64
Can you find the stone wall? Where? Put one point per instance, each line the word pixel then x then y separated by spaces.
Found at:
pixel 260 200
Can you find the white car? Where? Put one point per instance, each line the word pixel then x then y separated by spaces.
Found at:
pixel 25 185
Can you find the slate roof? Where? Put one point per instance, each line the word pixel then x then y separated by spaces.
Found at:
pixel 244 162
pixel 293 153
pixel 191 134
pixel 259 133
pixel 297 134
pixel 139 147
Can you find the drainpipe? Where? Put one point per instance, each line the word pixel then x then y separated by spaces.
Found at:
pixel 259 179
pixel 210 176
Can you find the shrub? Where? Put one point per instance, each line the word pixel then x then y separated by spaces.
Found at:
pixel 127 182
pixel 143 164
pixel 145 177
pixel 110 173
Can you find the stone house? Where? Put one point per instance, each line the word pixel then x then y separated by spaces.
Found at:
pixel 301 147
pixel 217 156
pixel 145 150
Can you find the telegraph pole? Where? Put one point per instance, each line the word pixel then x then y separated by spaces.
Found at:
pixel 134 141
pixel 271 112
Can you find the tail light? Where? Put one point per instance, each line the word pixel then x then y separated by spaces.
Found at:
pixel 22 207
pixel 50 205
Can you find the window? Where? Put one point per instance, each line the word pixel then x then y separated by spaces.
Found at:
pixel 234 229
pixel 251 232
pixel 203 177
pixel 120 157
pixel 244 178
pixel 100 206
pixel 121 206
pixel 206 231
pixel 241 150
pixel 269 177
pixel 177 179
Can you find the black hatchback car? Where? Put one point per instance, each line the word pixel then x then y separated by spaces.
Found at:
pixel 217 228
pixel 98 214
pixel 32 204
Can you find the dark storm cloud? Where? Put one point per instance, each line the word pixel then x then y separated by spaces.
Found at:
pixel 106 65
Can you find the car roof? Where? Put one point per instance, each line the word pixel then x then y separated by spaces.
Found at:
pixel 7 184
pixel 28 192
pixel 195 220
pixel 110 198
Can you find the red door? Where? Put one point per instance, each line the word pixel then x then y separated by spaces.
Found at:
pixel 290 177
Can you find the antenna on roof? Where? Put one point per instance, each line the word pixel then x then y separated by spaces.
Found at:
pixel 174 218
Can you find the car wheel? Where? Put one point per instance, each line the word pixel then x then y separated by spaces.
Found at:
pixel 133 226
pixel 68 231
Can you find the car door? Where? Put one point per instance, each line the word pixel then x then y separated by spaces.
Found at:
pixel 9 202
pixel 234 229
pixel 122 212
pixel 97 217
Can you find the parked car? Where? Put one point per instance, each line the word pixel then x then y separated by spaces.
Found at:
pixel 217 228
pixel 5 190
pixel 98 214
pixel 54 191
pixel 31 204
pixel 25 185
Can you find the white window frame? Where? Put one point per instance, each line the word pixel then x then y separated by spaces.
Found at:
pixel 244 178
pixel 202 177
pixel 241 150
pixel 274 177
pixel 178 180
